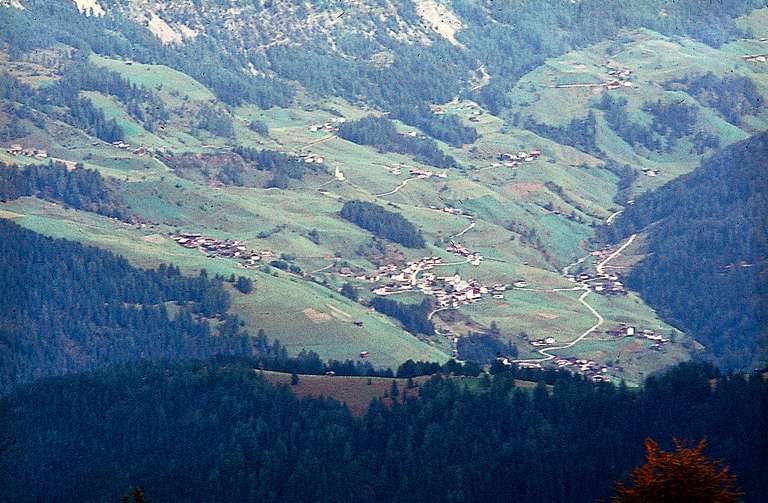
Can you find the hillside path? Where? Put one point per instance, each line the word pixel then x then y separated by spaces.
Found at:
pixel 547 352
pixel 397 189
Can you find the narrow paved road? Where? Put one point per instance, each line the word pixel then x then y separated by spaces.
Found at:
pixel 397 189
pixel 613 216
pixel 315 142
pixel 322 268
pixel 547 352
pixel 599 267
pixel 465 230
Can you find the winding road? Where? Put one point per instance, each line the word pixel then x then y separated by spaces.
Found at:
pixel 397 189
pixel 323 268
pixel 547 352
pixel 471 225
pixel 613 216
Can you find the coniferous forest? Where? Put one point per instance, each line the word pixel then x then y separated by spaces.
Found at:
pixel 382 223
pixel 80 188
pixel 705 265
pixel 215 431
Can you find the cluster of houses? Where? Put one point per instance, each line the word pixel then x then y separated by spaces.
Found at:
pixel 140 151
pixel 625 330
pixel 650 172
pixel 225 248
pixel 423 173
pixel 416 172
pixel 449 291
pixel 756 58
pixel 328 127
pixel 602 282
pixel 608 284
pixel 546 341
pixel 515 159
pixel 16 150
pixel 460 250
pixel 475 117
pixel 592 370
pixel 311 158
pixel 618 78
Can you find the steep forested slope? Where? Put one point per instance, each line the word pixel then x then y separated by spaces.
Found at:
pixel 215 431
pixel 380 50
pixel 707 266
pixel 65 307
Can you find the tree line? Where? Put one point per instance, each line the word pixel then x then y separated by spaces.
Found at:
pixel 283 167
pixel 381 133
pixel 412 316
pixel 383 223
pixel 80 188
pixel 735 97
pixel 707 246
pixel 217 431
pixel 142 104
pixel 58 102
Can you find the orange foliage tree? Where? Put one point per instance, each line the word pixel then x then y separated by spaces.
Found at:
pixel 680 476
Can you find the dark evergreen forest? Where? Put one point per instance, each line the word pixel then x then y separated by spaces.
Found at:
pixel 383 223
pixel 734 97
pixel 215 431
pixel 412 316
pixel 65 307
pixel 61 101
pixel 380 132
pixel 80 188
pixel 706 267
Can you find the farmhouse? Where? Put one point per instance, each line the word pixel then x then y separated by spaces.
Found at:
pixel 15 149
pixel 212 247
pixel 514 159
pixel 327 127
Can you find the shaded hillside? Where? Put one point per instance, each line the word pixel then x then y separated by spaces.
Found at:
pixel 65 307
pixel 707 263
pixel 216 431
pixel 81 188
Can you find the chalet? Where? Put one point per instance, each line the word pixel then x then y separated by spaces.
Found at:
pixel 420 173
pixel 15 149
